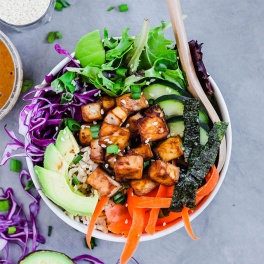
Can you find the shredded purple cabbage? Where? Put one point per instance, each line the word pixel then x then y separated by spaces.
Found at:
pixel 26 227
pixel 87 257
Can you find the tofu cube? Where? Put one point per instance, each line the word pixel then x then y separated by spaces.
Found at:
pixel 116 116
pixel 143 150
pixel 107 103
pixel 131 124
pixel 85 136
pixel 164 173
pixel 169 149
pixel 132 105
pixel 143 186
pixel 128 167
pixel 91 112
pixel 103 183
pixel 97 152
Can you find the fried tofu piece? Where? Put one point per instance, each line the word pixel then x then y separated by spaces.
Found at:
pixel 116 116
pixel 143 150
pixel 91 112
pixel 128 167
pixel 143 186
pixel 132 105
pixel 164 173
pixel 153 126
pixel 103 183
pixel 107 103
pixel 131 124
pixel 97 152
pixel 111 134
pixel 85 136
pixel 169 149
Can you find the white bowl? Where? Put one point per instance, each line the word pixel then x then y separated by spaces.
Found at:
pixel 116 238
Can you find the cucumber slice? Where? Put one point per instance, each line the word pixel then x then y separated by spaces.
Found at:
pixel 176 127
pixel 173 105
pixel 46 257
pixel 160 88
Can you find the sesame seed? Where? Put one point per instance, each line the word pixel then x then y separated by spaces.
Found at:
pixel 94 122
pixel 106 165
pixel 64 132
pixel 102 111
pixel 128 148
pixel 123 101
pixel 126 205
pixel 114 160
pixel 168 90
pixel 106 139
pixel 62 139
pixel 110 142
pixel 146 101
pixel 147 83
pixel 93 111
pixel 126 221
pixel 56 128
pixel 152 95
pixel 103 145
pixel 155 123
pixel 127 125
pixel 164 223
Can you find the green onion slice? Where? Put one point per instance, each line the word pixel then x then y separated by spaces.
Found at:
pixel 110 8
pixel 135 91
pixel 95 131
pixel 29 184
pixel 73 124
pixel 58 6
pixel 119 198
pixel 64 3
pixel 49 230
pixel 112 149
pixel 4 205
pixel 77 159
pixel 15 165
pixel 75 181
pixel 58 35
pixel 123 8
pixel 146 163
pixel 27 84
pixel 11 230
pixel 51 37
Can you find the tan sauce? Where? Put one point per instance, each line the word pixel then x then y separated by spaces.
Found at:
pixel 6 74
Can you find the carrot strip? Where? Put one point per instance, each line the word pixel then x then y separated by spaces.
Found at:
pixel 116 213
pixel 121 227
pixel 162 227
pixel 98 210
pixel 133 235
pixel 187 223
pixel 151 202
pixel 154 213
pixel 167 219
pixel 212 179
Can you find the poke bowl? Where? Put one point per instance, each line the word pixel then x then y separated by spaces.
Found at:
pixel 73 64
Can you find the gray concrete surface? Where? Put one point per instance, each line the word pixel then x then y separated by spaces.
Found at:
pixel 231 229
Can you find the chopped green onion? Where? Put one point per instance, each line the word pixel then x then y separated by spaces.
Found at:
pixel 29 184
pixel 64 3
pixel 93 242
pixel 110 8
pixel 77 159
pixel 123 8
pixel 75 181
pixel 58 6
pixel 146 163
pixel 112 149
pixel 49 230
pixel 58 35
pixel 4 205
pixel 11 230
pixel 51 37
pixel 161 67
pixel 15 165
pixel 27 84
pixel 121 71
pixel 163 212
pixel 95 131
pixel 73 124
pixel 135 91
pixel 119 198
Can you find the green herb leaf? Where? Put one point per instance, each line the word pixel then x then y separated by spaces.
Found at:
pixel 65 82
pixel 110 8
pixel 58 35
pixel 110 43
pixel 27 84
pixel 58 6
pixel 66 98
pixel 51 37
pixel 15 165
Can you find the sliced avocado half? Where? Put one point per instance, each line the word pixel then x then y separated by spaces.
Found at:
pixel 46 257
pixel 67 145
pixel 56 188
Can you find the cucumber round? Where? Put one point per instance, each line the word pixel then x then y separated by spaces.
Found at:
pixel 160 88
pixel 46 257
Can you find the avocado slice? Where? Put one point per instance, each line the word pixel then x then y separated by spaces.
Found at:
pixel 46 257
pixel 55 187
pixel 54 161
pixel 67 145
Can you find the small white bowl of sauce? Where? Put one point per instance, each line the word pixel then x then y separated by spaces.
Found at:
pixel 11 75
pixel 23 15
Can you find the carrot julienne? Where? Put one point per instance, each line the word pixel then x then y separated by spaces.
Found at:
pixel 98 210
pixel 187 223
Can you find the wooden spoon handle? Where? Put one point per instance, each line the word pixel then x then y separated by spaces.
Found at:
pixel 194 85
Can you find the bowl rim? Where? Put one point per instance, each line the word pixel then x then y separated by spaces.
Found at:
pixel 145 237
pixel 18 76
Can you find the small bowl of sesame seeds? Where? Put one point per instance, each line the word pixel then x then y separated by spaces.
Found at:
pixel 23 15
